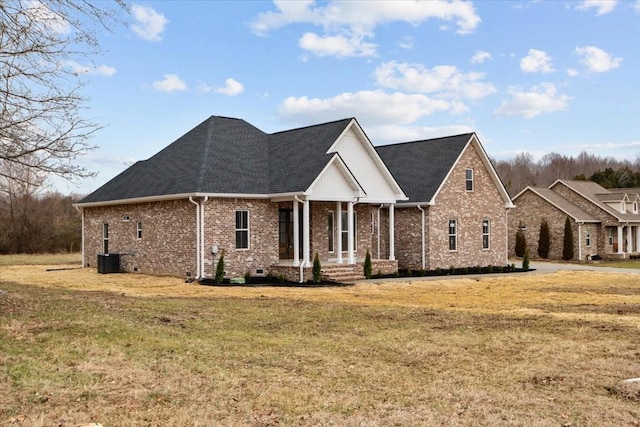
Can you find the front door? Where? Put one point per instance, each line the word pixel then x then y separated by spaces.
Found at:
pixel 285 232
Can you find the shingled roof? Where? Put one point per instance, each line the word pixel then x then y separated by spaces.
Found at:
pixel 598 196
pixel 421 166
pixel 227 156
pixel 561 203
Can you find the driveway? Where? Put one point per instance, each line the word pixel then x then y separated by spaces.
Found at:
pixel 552 267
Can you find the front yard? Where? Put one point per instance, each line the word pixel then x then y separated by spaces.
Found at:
pixel 129 350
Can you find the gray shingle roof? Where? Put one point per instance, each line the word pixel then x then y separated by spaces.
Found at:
pixel 563 204
pixel 421 166
pixel 228 156
pixel 595 193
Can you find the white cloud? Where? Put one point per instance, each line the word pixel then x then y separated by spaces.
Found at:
pixel 170 83
pixel 231 88
pixel 374 107
pixel 149 24
pixel 602 6
pixel 597 60
pixel 572 72
pixel 536 62
pixel 349 21
pixel 540 99
pixel 636 6
pixel 407 42
pixel 445 81
pixel 339 46
pixel 100 70
pixel 480 56
pixel 40 12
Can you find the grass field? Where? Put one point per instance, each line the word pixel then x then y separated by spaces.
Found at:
pixel 131 350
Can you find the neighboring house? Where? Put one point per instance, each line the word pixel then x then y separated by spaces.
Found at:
pixel 456 214
pixel 270 202
pixel 604 222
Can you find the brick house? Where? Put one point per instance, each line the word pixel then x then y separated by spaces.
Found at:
pixel 269 202
pixel 456 214
pixel 605 222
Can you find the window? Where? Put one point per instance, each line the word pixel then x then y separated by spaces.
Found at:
pixel 453 235
pixel 623 207
pixel 242 229
pixel 139 230
pixel 610 236
pixel 345 231
pixel 588 238
pixel 635 207
pixel 469 179
pixel 105 238
pixel 331 228
pixel 485 234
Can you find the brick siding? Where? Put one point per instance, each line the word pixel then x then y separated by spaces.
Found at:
pixel 469 209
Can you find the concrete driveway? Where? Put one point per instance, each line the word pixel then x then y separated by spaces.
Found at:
pixel 552 267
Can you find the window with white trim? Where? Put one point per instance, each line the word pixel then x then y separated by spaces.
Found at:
pixel 242 229
pixel 331 230
pixel 588 239
pixel 486 233
pixel 635 207
pixel 105 238
pixel 453 235
pixel 345 231
pixel 139 230
pixel 610 236
pixel 468 179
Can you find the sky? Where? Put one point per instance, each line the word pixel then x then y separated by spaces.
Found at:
pixel 526 76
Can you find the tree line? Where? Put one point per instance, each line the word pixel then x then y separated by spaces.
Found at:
pixel 523 170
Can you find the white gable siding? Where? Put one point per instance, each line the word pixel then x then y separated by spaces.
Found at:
pixel 366 170
pixel 332 185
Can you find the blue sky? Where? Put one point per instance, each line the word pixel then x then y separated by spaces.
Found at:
pixel 536 76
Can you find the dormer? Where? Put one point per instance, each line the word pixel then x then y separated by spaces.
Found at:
pixel 635 203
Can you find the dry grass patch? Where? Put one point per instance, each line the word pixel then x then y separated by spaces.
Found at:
pixel 134 350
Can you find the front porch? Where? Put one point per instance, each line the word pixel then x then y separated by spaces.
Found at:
pixel 333 271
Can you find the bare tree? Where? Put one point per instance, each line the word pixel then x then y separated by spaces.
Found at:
pixel 43 49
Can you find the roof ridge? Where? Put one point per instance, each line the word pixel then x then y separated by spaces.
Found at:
pixel 311 126
pixel 425 140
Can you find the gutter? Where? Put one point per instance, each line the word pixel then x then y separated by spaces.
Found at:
pixel 202 236
pixel 381 206
pixel 79 209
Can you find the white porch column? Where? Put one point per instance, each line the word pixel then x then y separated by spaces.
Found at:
pixel 350 233
pixel 579 241
pixel 296 233
pixel 305 233
pixel 620 240
pixel 629 240
pixel 339 232
pixel 637 238
pixel 392 254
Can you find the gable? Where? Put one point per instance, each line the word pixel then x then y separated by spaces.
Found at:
pixel 366 166
pixel 335 183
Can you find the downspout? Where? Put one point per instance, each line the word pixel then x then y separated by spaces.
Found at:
pixel 202 236
pixel 197 236
pixel 580 240
pixel 296 243
pixel 82 212
pixel 422 234
pixel 381 206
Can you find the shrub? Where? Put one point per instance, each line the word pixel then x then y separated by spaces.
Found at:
pixel 567 248
pixel 317 269
pixel 525 260
pixel 379 274
pixel 247 276
pixel 220 269
pixel 490 268
pixel 521 244
pixel 544 240
pixel 367 265
pixel 281 278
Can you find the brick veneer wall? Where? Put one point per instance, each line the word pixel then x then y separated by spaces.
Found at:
pixel 168 239
pixel 469 208
pixel 606 219
pixel 531 210
pixel 220 230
